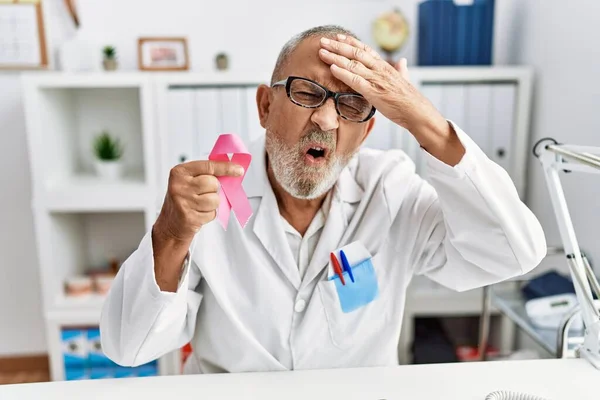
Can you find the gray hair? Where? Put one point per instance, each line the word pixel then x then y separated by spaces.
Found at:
pixel 329 31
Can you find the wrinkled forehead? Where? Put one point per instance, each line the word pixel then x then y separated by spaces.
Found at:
pixel 305 62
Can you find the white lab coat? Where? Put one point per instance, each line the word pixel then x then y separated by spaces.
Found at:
pixel 241 300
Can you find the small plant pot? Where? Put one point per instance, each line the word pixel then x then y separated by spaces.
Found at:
pixel 110 64
pixel 109 170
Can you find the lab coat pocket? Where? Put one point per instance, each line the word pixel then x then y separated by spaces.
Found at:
pixel 354 311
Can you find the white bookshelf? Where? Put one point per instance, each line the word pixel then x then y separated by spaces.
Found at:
pixel 81 220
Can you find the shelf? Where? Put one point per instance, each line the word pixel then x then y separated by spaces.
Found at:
pixel 66 122
pixel 82 310
pixel 80 243
pixel 87 193
pixel 76 303
pixel 483 73
pixel 511 303
pixel 59 80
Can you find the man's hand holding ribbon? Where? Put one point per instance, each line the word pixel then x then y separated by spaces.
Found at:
pixel 191 201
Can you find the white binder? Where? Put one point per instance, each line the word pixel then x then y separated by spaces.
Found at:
pixel 454 102
pixel 180 141
pixel 255 130
pixel 232 111
pixel 503 124
pixel 207 113
pixel 478 111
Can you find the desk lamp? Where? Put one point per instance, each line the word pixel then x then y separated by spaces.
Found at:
pixel 556 157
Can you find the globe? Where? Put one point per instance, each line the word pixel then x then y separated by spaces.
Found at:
pixel 390 32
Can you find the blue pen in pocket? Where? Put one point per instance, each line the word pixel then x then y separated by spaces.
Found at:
pixel 346 265
pixel 364 287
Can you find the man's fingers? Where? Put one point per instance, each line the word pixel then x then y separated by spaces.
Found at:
pixel 351 52
pixel 205 184
pixel 216 168
pixel 207 202
pixel 402 67
pixel 355 81
pixel 354 66
pixel 206 216
pixel 357 43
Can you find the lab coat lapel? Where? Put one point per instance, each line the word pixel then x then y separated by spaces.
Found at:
pixel 330 238
pixel 345 192
pixel 267 221
pixel 269 230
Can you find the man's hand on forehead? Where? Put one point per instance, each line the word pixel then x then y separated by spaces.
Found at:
pixel 385 86
pixel 388 88
pixel 366 72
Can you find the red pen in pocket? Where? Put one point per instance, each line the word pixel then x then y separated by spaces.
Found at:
pixel 337 268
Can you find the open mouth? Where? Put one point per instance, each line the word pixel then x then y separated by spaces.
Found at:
pixel 316 152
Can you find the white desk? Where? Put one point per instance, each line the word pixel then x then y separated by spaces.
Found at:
pixel 554 379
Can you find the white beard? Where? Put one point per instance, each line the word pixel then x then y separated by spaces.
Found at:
pixel 296 178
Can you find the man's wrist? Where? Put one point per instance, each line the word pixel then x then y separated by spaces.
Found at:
pixel 438 137
pixel 163 237
pixel 430 130
pixel 170 258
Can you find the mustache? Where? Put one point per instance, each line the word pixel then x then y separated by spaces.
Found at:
pixel 327 138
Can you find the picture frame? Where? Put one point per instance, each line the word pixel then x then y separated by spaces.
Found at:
pixel 163 54
pixel 22 35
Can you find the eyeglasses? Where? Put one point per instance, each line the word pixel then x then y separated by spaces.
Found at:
pixel 307 93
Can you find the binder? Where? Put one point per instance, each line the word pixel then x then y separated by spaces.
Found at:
pixel 180 144
pixel 503 124
pixel 207 115
pixel 454 102
pixel 478 111
pixel 452 33
pixel 232 112
pixel 255 130
pixel 463 32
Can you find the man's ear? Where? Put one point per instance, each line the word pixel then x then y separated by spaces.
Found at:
pixel 369 128
pixel 263 102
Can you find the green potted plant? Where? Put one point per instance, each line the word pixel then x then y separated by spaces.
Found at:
pixel 110 58
pixel 109 152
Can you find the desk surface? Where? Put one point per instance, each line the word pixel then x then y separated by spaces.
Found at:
pixel 554 379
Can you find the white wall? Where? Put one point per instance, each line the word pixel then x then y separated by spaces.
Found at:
pixel 252 33
pixel 21 328
pixel 557 38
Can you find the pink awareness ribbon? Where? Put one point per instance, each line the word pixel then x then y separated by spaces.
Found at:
pixel 231 192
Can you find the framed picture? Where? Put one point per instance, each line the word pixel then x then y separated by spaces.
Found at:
pixel 163 54
pixel 22 35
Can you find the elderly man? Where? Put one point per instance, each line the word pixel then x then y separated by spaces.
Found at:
pixel 269 296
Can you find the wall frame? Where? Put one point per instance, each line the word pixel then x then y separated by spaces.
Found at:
pixel 22 35
pixel 163 54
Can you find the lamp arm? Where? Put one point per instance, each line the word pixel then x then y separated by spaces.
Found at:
pixel 556 158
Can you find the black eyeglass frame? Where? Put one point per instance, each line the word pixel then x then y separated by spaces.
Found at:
pixel 287 82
